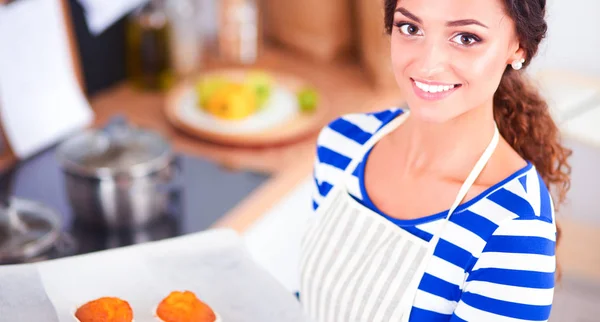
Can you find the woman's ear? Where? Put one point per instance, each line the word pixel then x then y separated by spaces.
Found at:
pixel 518 55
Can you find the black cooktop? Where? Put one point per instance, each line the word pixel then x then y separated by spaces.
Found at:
pixel 202 193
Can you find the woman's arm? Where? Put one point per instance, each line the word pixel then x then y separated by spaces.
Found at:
pixel 513 279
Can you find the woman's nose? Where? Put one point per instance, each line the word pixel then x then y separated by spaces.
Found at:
pixel 433 59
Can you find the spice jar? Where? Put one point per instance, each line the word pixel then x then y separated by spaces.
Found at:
pixel 185 36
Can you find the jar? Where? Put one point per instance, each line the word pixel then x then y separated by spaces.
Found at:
pixel 239 34
pixel 185 36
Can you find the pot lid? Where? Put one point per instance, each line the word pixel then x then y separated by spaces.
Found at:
pixel 27 229
pixel 117 150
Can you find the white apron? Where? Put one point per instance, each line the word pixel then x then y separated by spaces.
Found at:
pixel 356 265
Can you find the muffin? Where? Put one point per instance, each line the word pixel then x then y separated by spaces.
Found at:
pixel 184 307
pixel 105 309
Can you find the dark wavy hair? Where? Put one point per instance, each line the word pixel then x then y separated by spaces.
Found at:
pixel 521 113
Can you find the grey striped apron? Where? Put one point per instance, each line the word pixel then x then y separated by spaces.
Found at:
pixel 356 265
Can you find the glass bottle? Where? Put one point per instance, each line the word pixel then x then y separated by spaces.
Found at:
pixel 148 57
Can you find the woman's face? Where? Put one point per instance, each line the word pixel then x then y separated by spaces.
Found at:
pixel 448 56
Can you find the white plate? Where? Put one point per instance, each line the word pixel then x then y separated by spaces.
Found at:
pixel 281 107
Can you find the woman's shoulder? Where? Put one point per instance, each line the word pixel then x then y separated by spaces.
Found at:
pixel 341 139
pixel 521 205
pixel 525 196
pixel 512 230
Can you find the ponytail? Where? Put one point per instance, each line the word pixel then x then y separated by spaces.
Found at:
pixel 525 122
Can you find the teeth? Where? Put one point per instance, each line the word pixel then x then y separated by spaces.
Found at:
pixel 433 88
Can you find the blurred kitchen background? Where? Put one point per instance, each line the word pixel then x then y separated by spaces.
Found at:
pixel 159 91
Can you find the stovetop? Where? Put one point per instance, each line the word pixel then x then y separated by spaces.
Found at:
pixel 202 193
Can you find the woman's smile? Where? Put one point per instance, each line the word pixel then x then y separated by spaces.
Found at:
pixel 433 91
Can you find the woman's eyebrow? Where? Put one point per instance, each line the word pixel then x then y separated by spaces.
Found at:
pixel 464 22
pixel 408 14
pixel 456 23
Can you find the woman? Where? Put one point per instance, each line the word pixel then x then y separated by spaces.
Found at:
pixel 442 211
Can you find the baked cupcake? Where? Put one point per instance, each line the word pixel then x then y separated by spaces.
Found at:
pixel 184 307
pixel 105 309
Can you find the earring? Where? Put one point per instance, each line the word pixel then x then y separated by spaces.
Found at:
pixel 517 64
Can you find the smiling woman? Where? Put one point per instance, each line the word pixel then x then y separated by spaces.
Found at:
pixel 474 136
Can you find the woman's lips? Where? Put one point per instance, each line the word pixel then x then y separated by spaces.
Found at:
pixel 433 91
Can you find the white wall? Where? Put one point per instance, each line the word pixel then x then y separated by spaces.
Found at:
pixel 573 41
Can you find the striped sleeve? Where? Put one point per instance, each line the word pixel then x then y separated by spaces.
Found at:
pixel 315 195
pixel 337 144
pixel 513 279
pixel 323 181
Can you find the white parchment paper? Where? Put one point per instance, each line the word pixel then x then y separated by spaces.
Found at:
pixel 213 264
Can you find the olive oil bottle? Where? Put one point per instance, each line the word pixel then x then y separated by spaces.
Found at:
pixel 147 44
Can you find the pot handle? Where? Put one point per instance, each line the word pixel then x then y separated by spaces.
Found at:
pixel 177 163
pixel 7 180
pixel 173 186
pixel 174 177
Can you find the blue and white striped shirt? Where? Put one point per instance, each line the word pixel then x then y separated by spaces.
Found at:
pixel 495 261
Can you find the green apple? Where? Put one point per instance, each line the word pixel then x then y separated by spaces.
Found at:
pixel 308 99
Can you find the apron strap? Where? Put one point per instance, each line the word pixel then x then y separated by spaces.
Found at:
pixel 476 171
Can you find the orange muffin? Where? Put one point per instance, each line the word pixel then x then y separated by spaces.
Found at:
pixel 105 309
pixel 184 307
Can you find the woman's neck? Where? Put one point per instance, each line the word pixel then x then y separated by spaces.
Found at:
pixel 448 148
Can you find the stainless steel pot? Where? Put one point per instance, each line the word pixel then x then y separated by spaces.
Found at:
pixel 117 177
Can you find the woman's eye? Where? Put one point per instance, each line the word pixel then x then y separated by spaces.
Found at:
pixel 466 39
pixel 410 29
